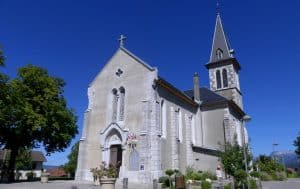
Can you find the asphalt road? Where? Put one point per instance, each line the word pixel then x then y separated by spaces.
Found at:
pixel 289 184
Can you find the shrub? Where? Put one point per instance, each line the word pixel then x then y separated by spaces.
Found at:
pixel 205 185
pixel 188 173
pixel 208 175
pixel 253 184
pixel 265 176
pixel 196 176
pixel 281 176
pixel 227 186
pixel 165 181
pixel 254 174
pixel 169 172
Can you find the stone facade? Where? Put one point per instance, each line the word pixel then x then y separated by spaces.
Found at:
pixel 140 120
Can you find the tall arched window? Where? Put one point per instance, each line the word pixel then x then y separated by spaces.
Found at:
pixel 193 132
pixel 219 54
pixel 114 104
pixel 225 80
pixel 180 126
pixel 122 104
pixel 163 118
pixel 218 77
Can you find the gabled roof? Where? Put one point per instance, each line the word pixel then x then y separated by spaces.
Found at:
pixel 136 58
pixel 206 96
pixel 35 155
pixel 211 100
pixel 123 49
pixel 172 89
pixel 220 41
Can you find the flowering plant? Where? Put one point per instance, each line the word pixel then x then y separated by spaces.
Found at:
pixel 112 171
pixel 132 139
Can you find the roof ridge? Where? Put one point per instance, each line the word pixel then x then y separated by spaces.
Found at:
pixel 137 58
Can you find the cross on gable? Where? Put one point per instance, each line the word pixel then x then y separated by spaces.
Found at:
pixel 121 40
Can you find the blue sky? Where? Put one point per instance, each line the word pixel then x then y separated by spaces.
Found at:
pixel 73 39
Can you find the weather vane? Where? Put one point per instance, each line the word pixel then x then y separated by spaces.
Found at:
pixel 121 40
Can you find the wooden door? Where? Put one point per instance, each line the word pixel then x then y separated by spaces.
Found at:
pixel 115 155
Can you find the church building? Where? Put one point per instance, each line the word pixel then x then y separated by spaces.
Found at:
pixel 137 118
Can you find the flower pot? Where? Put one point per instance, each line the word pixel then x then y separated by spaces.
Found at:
pixel 45 177
pixel 108 183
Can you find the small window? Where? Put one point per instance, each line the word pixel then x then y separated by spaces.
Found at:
pixel 219 54
pixel 225 80
pixel 218 77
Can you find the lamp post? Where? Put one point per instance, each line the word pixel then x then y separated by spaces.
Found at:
pixel 245 119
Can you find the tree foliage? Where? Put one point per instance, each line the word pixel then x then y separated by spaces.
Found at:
pixel 71 166
pixel 1 58
pixel 268 164
pixel 34 112
pixel 233 161
pixel 23 161
pixel 297 144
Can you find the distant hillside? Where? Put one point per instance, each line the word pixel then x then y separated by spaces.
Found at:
pixel 48 167
pixel 289 158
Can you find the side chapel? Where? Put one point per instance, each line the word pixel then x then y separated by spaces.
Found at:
pixel 137 118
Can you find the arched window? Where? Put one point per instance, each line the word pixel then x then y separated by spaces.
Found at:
pixel 163 120
pixel 180 126
pixel 134 160
pixel 219 54
pixel 114 104
pixel 193 130
pixel 122 104
pixel 225 80
pixel 218 77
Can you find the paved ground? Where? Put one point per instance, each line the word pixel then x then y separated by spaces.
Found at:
pixel 62 185
pixel 289 184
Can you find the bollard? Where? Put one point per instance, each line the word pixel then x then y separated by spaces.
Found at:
pixel 155 183
pixel 125 183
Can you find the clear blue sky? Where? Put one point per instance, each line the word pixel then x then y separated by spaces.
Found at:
pixel 73 39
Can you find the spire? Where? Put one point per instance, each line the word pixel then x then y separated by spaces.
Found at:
pixel 220 47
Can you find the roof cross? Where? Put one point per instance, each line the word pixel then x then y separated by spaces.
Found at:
pixel 121 40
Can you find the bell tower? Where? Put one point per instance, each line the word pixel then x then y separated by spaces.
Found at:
pixel 223 67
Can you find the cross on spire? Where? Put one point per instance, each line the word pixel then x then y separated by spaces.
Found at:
pixel 121 40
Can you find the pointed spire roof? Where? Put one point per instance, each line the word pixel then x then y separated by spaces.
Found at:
pixel 220 47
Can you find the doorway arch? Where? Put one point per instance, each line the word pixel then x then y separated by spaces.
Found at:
pixel 113 143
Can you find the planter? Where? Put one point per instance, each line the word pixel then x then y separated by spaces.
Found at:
pixel 108 183
pixel 45 177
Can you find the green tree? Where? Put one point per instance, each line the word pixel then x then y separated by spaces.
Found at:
pixel 34 112
pixel 1 58
pixel 71 166
pixel 23 161
pixel 233 161
pixel 297 144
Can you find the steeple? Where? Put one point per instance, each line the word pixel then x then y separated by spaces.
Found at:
pixel 223 66
pixel 220 47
